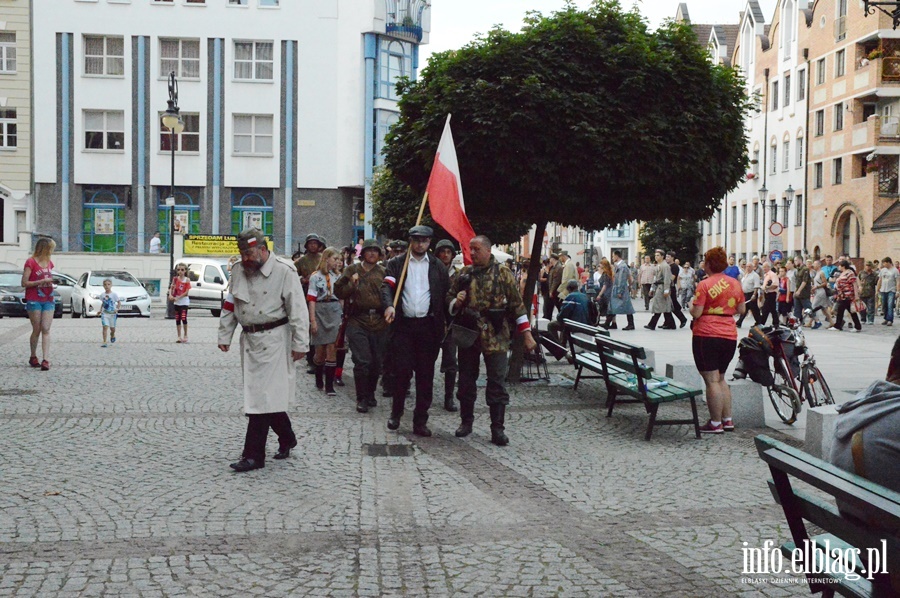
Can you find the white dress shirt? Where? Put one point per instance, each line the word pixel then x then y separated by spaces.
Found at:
pixel 416 290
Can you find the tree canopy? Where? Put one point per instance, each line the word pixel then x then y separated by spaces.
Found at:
pixel 584 118
pixel 680 236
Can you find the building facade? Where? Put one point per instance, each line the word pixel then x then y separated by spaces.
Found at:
pixel 285 106
pixel 15 119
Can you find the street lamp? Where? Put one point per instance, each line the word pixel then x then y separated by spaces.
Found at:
pixel 172 121
pixel 788 200
pixel 763 195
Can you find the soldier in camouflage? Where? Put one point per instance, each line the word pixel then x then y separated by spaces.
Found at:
pixel 360 288
pixel 487 292
pixel 445 251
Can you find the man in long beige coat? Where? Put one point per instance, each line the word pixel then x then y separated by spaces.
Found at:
pixel 569 273
pixel 266 299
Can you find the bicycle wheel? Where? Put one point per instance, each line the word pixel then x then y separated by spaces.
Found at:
pixel 782 394
pixel 815 388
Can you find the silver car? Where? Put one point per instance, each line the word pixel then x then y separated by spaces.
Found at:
pixel 65 284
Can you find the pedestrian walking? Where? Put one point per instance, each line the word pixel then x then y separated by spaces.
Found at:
pixel 685 284
pixel 265 297
pixel 769 295
pixel 717 300
pixel 307 263
pixel 673 291
pixel 568 273
pixel 647 274
pixel 845 293
pixel 555 277
pixel 604 292
pixel 660 291
pixel 868 282
pixel 544 282
pixel 178 295
pixel 155 243
pixel 890 284
pixel 109 310
pixel 619 295
pixel 37 280
pixel 750 285
pixel 494 302
pixel 803 294
pixel 445 252
pixel 784 295
pixel 366 331
pixel 325 316
pixel 821 300
pixel 417 333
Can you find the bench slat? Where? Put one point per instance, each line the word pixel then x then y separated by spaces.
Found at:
pixel 608 344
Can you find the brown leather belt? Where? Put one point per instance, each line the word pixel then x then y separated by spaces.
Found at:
pixel 263 327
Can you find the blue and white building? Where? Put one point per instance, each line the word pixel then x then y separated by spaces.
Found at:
pixel 285 105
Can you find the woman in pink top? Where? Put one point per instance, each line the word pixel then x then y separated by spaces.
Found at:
pixel 38 282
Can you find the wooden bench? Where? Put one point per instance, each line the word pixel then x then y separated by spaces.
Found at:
pixel 620 361
pixel 582 349
pixel 875 531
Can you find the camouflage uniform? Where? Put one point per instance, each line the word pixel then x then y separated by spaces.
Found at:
pixel 494 296
pixel 366 328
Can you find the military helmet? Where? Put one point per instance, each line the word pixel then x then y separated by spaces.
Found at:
pixel 314 237
pixel 444 244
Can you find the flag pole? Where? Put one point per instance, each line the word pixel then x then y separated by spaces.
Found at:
pixel 408 251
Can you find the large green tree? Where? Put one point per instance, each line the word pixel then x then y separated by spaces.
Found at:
pixel 680 236
pixel 584 118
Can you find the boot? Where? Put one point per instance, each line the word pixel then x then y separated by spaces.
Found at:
pixel 371 401
pixel 498 415
pixel 467 415
pixel 329 379
pixel 320 376
pixel 449 387
pixel 361 393
pixel 311 369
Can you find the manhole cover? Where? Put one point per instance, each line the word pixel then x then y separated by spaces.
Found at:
pixel 387 450
pixel 16 392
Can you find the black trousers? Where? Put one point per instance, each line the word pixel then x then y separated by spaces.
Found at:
pixel 668 320
pixel 770 306
pixel 414 349
pixel 676 307
pixel 645 291
pixel 843 306
pixel 549 304
pixel 752 306
pixel 258 425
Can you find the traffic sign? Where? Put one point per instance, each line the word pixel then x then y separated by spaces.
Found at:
pixel 775 256
pixel 776 228
pixel 776 243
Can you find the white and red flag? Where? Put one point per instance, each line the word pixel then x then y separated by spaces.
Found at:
pixel 445 194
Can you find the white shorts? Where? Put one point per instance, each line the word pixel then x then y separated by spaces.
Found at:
pixel 108 319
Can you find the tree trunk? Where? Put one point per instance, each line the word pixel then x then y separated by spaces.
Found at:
pixel 534 267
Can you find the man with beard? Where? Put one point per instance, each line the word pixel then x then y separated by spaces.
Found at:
pixel 266 299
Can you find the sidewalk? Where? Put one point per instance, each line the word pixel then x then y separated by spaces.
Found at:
pixel 116 482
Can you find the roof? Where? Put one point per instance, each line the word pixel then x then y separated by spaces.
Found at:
pixel 702 32
pixel 756 11
pixel 889 221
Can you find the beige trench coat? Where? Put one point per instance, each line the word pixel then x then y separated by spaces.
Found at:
pixel 269 295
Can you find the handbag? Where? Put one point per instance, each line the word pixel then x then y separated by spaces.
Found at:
pixel 828 291
pixel 858 306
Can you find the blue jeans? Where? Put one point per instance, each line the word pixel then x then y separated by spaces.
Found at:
pixel 799 306
pixel 40 306
pixel 870 309
pixel 887 303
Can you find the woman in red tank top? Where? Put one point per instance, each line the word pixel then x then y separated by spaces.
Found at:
pixel 37 278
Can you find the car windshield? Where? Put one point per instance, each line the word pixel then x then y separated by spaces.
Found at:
pixel 10 279
pixel 119 279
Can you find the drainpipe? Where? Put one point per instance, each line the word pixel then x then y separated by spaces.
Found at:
pixel 765 157
pixel 806 188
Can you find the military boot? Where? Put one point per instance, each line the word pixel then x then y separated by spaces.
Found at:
pixel 371 401
pixel 329 379
pixel 498 415
pixel 467 415
pixel 320 376
pixel 362 389
pixel 449 387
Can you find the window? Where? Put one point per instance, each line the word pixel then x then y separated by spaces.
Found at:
pixel 786 148
pixel 798 210
pixel 734 219
pixel 840 63
pixel 773 163
pixel 774 95
pixel 269 3
pixel 195 1
pixel 187 141
pixel 787 90
pixel 8 135
pixel 181 56
pixel 820 122
pixel 817 175
pixel 253 134
pixel 7 51
pixel 104 56
pixel 237 2
pixel 820 71
pixel 799 163
pixel 839 116
pixel 719 221
pixel 104 130
pixel 395 61
pixel 755 161
pixel 755 215
pixel 801 85
pixel 838 168
pixel 253 61
pixel 744 217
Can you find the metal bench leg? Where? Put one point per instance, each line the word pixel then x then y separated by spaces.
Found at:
pixel 610 400
pixel 696 421
pixel 577 377
pixel 652 421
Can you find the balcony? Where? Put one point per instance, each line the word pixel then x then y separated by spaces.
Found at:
pixel 404 19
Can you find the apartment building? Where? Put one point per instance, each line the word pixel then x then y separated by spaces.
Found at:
pixel 285 105
pixel 15 119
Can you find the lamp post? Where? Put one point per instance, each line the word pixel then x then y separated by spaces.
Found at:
pixel 763 195
pixel 172 121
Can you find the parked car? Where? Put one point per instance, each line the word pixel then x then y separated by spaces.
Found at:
pixel 65 284
pixel 12 296
pixel 209 283
pixel 86 302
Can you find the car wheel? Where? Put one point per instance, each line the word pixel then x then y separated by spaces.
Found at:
pixel 215 312
pixel 83 309
pixel 57 314
pixel 75 313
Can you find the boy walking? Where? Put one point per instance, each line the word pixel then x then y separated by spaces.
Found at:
pixel 109 311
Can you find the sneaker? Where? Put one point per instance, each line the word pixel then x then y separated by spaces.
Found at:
pixel 33 362
pixel 834 329
pixel 728 426
pixel 45 365
pixel 178 341
pixel 708 428
pixel 817 325
pixel 889 323
pixel 103 346
pixel 857 330
pixel 112 340
pixel 184 340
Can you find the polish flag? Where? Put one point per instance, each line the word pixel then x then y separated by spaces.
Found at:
pixel 445 194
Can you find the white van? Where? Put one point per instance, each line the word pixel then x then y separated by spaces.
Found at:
pixel 209 282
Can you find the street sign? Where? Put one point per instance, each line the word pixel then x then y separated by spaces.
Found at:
pixel 776 228
pixel 775 256
pixel 776 243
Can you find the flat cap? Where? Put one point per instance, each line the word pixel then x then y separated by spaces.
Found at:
pixel 250 238
pixel 554 256
pixel 421 230
pixel 564 252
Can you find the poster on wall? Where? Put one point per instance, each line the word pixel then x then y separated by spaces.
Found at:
pixel 252 220
pixel 104 222
pixel 181 222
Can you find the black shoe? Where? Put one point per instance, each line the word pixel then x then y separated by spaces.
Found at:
pixel 422 431
pixel 612 326
pixel 628 328
pixel 386 393
pixel 463 430
pixel 648 327
pixel 450 405
pixel 393 423
pixel 247 465
pixel 285 452
pixel 683 323
pixel 372 402
pixel 361 406
pixel 499 437
pixel 311 370
pixel 667 328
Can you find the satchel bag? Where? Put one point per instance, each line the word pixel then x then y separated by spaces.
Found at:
pixel 858 306
pixel 828 291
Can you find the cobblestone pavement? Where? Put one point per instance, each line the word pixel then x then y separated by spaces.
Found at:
pixel 115 482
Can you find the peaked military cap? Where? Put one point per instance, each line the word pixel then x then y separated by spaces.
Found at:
pixel 250 238
pixel 371 244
